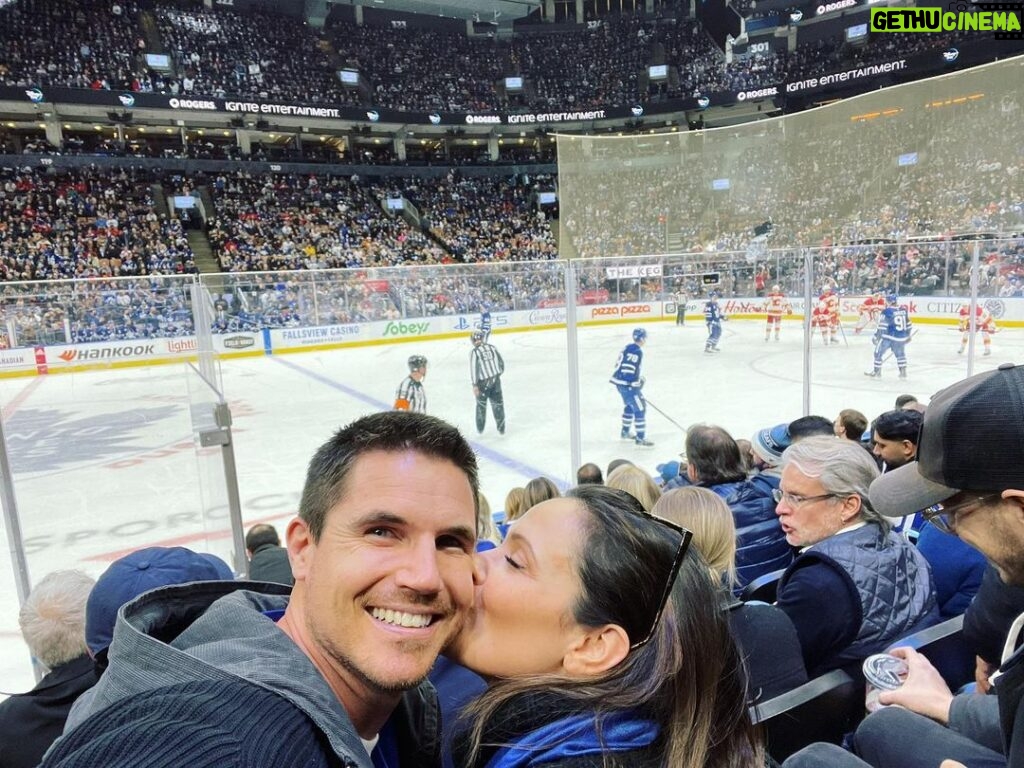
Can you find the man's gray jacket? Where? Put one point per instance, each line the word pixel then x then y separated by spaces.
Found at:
pixel 223 632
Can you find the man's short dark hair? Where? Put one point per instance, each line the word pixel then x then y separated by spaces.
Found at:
pixel 808 426
pixel 589 474
pixel 388 431
pixel 898 425
pixel 715 456
pixel 260 535
pixel 903 400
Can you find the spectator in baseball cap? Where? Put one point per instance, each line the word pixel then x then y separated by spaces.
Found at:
pixel 138 572
pixel 123 581
pixel 953 479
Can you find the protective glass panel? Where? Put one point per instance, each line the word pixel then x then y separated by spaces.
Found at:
pixel 892 165
pixel 879 194
pixel 98 424
pixel 995 336
pixel 206 413
pixel 359 329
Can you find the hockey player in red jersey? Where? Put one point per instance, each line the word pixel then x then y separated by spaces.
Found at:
pixel 983 322
pixel 775 305
pixel 830 302
pixel 819 319
pixel 869 310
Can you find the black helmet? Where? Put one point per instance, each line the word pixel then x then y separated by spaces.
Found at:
pixel 416 362
pixel 476 336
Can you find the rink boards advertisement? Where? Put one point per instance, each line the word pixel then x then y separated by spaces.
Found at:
pixel 41 360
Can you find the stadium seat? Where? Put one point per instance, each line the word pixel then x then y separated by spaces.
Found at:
pixel 823 709
pixel 763 588
pixel 944 646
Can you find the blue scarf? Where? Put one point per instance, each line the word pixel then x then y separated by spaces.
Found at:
pixel 576 736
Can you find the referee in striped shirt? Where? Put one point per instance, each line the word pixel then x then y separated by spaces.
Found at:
pixel 485 369
pixel 410 395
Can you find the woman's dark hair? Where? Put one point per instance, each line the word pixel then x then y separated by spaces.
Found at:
pixel 689 677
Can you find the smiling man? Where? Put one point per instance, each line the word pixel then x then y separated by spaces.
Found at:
pixel 855 587
pixel 226 674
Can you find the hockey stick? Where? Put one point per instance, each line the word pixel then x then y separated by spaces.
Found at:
pixel 910 338
pixel 842 333
pixel 676 423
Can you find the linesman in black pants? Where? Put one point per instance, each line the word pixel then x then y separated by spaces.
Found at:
pixel 485 369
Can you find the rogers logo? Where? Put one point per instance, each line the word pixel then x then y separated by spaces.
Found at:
pixel 636 309
pixel 601 311
pixel 760 93
pixel 67 355
pixel 192 104
pixel 483 119
pixel 838 5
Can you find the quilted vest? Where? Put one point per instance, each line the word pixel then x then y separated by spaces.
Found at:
pixel 894 583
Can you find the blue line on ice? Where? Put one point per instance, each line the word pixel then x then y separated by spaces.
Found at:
pixel 482 451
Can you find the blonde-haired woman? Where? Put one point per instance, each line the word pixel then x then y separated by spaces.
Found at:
pixel 514 506
pixel 487 533
pixel 637 483
pixel 765 634
pixel 537 490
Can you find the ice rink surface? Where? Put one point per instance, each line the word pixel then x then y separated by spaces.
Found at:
pixel 104 461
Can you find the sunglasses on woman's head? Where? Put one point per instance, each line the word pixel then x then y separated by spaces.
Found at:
pixel 677 562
